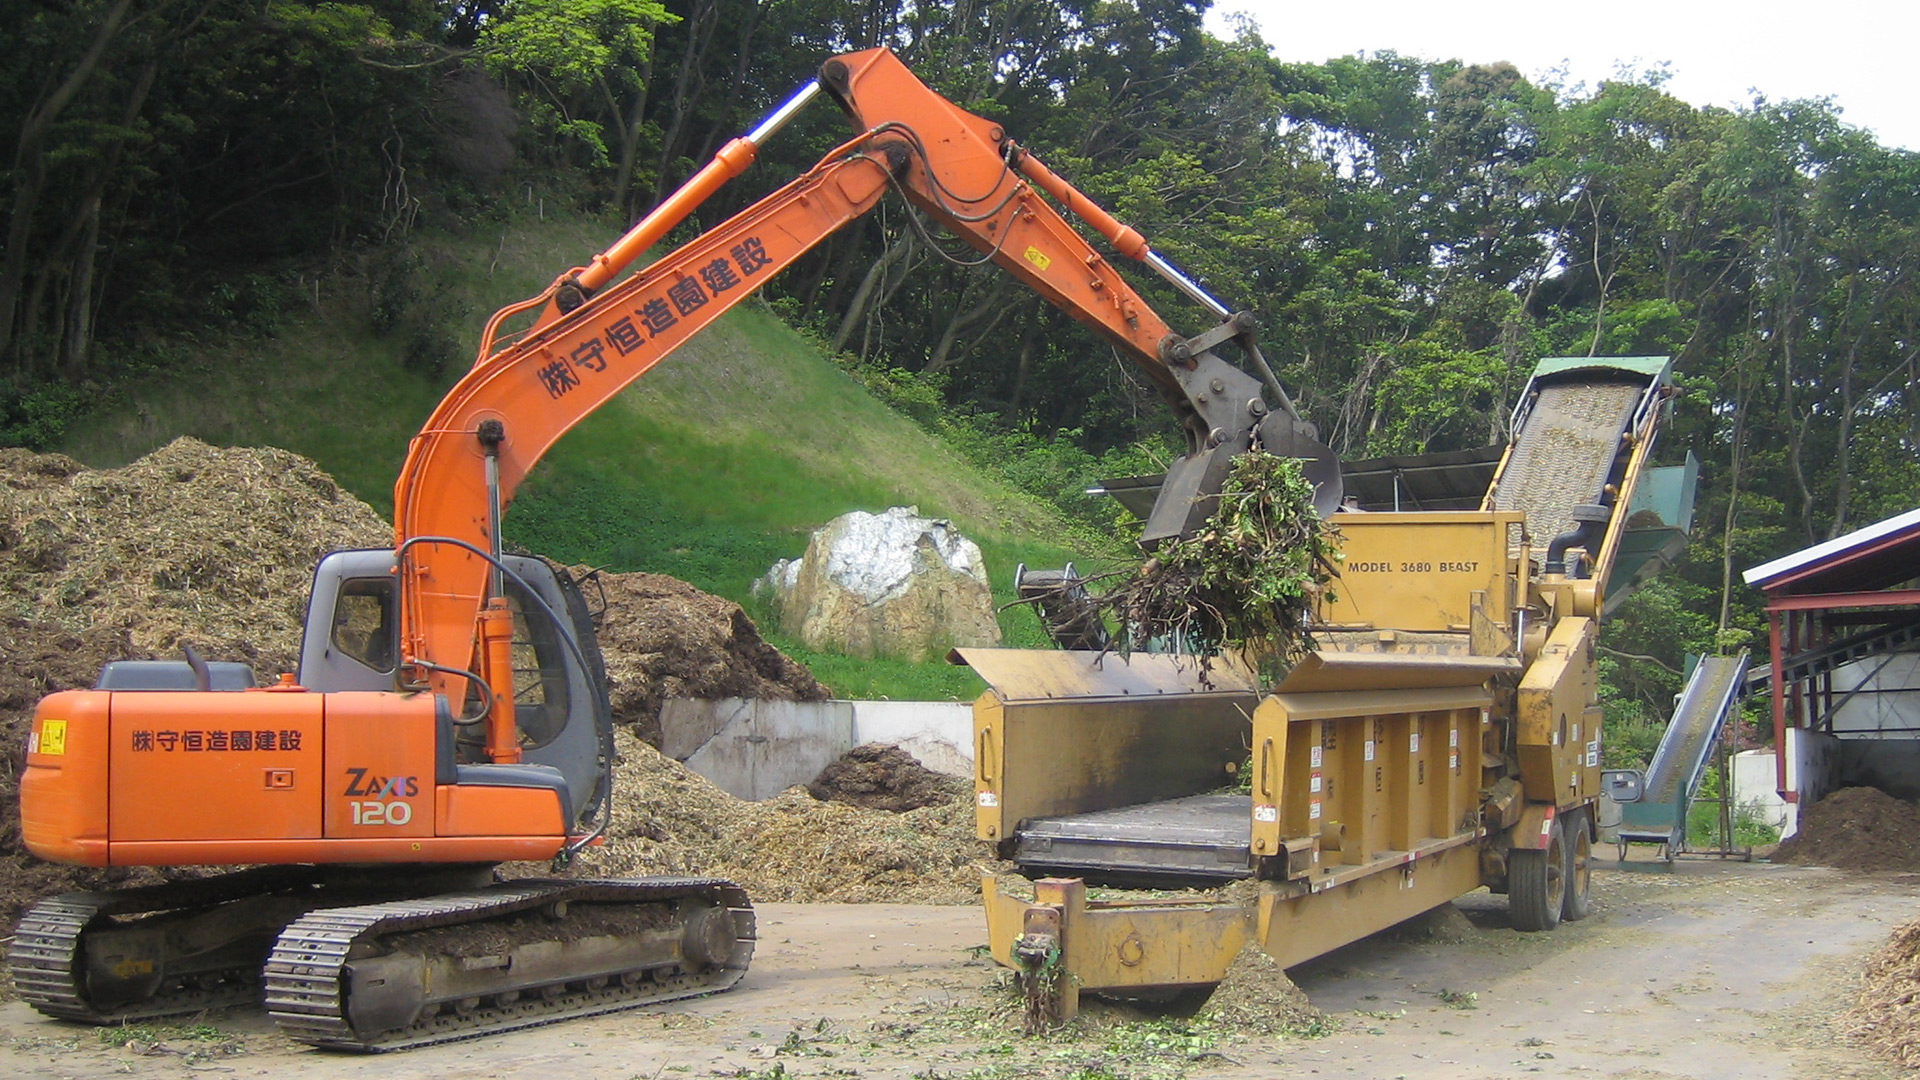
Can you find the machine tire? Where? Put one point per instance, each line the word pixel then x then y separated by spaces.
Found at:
pixel 1537 882
pixel 1578 903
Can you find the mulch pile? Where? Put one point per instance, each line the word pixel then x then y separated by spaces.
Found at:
pixel 1886 1019
pixel 1862 829
pixel 663 638
pixel 668 819
pixel 194 544
pixel 877 776
pixel 1856 828
pixel 215 548
pixel 1257 996
pixel 189 545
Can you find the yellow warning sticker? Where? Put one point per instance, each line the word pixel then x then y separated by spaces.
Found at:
pixel 1038 258
pixel 53 737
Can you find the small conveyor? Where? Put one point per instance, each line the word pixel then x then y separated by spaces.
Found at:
pixel 1680 762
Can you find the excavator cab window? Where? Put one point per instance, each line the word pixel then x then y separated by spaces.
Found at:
pixel 540 666
pixel 542 663
pixel 363 622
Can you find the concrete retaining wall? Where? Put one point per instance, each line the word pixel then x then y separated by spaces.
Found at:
pixel 1815 766
pixel 1755 784
pixel 757 749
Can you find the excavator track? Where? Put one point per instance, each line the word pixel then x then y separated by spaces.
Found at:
pixel 159 950
pixel 438 969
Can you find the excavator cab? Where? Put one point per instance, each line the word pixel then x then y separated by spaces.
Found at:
pixel 561 709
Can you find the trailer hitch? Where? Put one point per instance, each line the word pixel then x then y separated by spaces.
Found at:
pixel 1041 972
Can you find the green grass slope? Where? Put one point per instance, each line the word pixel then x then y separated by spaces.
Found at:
pixel 715 464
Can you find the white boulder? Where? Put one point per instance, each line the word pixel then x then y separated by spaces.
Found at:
pixel 891 584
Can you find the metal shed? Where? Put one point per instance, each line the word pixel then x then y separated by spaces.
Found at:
pixel 1844 637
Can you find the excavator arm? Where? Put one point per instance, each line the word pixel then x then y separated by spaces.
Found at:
pixel 496 423
pixel 594 335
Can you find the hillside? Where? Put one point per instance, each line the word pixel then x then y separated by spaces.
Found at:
pixel 708 469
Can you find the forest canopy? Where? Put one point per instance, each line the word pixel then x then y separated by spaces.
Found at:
pixel 1414 233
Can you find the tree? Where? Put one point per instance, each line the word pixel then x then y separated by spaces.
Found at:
pixel 583 66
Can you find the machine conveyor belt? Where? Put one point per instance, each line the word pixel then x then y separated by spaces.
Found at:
pixel 1200 839
pixel 1565 452
pixel 1680 763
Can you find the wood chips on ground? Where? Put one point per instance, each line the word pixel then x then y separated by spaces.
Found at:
pixel 667 819
pixel 1886 1019
pixel 1257 997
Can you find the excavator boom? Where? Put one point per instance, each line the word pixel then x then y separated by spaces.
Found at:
pixel 541 386
pixel 962 171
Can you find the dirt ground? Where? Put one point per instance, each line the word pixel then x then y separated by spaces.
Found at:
pixel 1719 970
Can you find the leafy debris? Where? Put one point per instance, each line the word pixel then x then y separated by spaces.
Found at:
pixel 1248 580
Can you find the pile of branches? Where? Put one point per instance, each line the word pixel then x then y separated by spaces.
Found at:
pixel 1248 580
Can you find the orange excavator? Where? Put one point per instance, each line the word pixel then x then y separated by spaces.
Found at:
pixel 450 710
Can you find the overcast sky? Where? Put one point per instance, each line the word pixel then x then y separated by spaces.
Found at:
pixel 1861 53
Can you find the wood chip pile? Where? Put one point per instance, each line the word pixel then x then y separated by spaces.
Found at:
pixel 663 638
pixel 194 544
pixel 213 547
pixel 216 548
pixel 1257 996
pixel 1856 828
pixel 668 819
pixel 1886 1019
pixel 882 777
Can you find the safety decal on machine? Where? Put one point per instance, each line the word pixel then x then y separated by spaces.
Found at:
pixel 988 798
pixel 50 739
